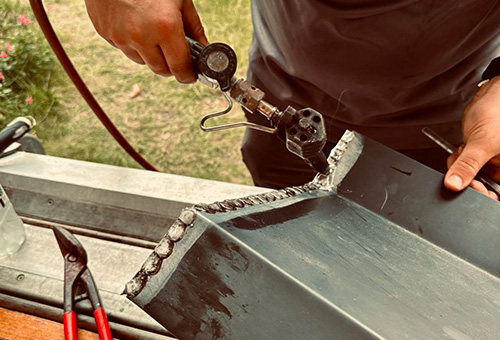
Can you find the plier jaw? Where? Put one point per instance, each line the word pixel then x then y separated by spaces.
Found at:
pixel 78 285
pixel 71 248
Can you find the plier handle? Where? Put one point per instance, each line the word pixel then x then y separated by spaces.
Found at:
pixel 79 285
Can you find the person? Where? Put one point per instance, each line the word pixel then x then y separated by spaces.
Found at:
pixel 385 68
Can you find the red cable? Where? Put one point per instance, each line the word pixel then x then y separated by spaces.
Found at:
pixel 58 49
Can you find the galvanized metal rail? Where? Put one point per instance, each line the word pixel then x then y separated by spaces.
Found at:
pixel 117 213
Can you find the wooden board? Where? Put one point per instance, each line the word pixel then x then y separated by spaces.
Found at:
pixel 20 326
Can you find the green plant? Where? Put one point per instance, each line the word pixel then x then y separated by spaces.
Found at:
pixel 27 66
pixel 161 122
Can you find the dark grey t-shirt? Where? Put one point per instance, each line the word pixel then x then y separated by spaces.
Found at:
pixel 385 68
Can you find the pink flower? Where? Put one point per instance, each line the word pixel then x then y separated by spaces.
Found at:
pixel 8 47
pixel 3 54
pixel 29 100
pixel 23 19
pixel 1 76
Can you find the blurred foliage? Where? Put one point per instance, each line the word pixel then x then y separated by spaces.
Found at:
pixel 161 121
pixel 28 67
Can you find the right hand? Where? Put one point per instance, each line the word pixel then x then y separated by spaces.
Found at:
pixel 151 32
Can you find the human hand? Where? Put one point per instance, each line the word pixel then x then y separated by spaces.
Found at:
pixel 151 32
pixel 481 148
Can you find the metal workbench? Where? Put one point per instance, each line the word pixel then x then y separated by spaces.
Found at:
pixel 380 251
pixel 117 213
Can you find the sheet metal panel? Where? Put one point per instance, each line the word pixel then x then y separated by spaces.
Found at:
pixel 413 196
pixel 346 264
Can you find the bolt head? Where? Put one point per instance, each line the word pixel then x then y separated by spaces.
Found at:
pixel 304 123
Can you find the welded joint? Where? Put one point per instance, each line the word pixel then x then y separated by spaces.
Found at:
pixel 163 250
pixel 186 219
pixel 340 161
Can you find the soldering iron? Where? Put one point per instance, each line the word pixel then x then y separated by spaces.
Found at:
pixel 303 131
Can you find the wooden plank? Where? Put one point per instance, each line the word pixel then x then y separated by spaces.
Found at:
pixel 20 326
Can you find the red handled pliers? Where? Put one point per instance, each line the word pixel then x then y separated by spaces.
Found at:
pixel 78 285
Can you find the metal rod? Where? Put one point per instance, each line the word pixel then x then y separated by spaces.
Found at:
pixel 91 233
pixel 231 125
pixel 481 176
pixel 438 140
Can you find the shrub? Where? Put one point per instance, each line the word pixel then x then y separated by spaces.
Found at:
pixel 28 67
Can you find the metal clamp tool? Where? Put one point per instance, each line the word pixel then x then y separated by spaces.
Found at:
pixel 303 131
pixel 79 285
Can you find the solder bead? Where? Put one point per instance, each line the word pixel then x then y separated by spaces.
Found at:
pixel 152 265
pixel 188 216
pixel 201 207
pixel 239 203
pixel 247 201
pixel 228 205
pixel 176 231
pixel 258 199
pixel 214 207
pixel 135 286
pixel 282 194
pixel 164 248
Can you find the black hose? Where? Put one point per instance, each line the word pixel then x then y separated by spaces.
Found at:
pixel 55 44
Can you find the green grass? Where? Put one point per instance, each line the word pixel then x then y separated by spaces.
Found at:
pixel 163 122
pixel 28 69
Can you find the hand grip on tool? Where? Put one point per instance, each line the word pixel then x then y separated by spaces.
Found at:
pixel 303 131
pixel 216 61
pixel 445 145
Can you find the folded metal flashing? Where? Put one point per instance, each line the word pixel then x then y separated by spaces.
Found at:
pixel 378 250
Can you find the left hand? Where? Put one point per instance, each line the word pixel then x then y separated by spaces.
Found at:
pixel 481 148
